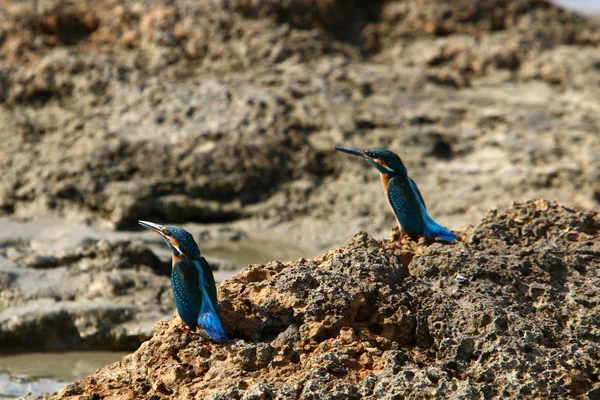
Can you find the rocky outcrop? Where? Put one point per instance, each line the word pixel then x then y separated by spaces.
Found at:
pixel 101 295
pixel 510 310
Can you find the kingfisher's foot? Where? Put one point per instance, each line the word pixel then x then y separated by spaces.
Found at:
pixel 396 234
pixel 402 237
pixel 427 240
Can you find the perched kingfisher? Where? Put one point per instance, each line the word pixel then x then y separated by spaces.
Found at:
pixel 402 194
pixel 192 281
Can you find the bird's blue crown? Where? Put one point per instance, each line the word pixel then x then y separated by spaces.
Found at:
pixel 384 155
pixel 185 241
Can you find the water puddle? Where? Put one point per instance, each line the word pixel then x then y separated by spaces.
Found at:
pixel 36 374
pixel 252 251
pixel 237 253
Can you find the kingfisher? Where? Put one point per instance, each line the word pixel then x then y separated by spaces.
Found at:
pixel 192 281
pixel 402 194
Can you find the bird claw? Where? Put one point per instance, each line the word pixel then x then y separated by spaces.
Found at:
pixel 402 237
pixel 397 235
pixel 186 328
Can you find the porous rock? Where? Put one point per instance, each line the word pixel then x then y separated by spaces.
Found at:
pixel 509 310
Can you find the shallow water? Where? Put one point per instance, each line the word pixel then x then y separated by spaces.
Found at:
pixel 238 253
pixel 253 251
pixel 38 373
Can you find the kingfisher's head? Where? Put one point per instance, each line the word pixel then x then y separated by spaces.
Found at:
pixel 384 160
pixel 180 241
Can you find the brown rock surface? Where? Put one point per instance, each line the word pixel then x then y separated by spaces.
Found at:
pixel 223 114
pixel 511 310
pixel 220 111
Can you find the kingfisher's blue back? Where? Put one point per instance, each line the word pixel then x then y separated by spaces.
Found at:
pixel 195 296
pixel 410 210
pixel 406 205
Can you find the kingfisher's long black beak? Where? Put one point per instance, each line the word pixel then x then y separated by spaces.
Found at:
pixel 352 150
pixel 153 227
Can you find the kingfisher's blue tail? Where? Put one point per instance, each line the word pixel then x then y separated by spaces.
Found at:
pixel 433 229
pixel 210 322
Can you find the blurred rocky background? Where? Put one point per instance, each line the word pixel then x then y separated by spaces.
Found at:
pixel 221 116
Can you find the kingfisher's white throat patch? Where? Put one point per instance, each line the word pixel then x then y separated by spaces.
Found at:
pixel 384 165
pixel 176 246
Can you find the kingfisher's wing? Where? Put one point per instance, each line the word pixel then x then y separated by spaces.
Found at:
pixel 208 281
pixel 407 205
pixel 188 299
pixel 208 317
pixel 430 227
pixel 417 191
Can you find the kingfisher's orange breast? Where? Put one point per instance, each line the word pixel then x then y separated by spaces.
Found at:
pixel 385 182
pixel 176 259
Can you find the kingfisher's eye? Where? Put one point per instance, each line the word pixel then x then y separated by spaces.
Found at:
pixel 369 153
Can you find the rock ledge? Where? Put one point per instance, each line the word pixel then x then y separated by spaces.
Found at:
pixel 510 310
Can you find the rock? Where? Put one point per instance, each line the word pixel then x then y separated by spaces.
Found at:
pixel 227 111
pixel 46 324
pixel 102 296
pixel 510 310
